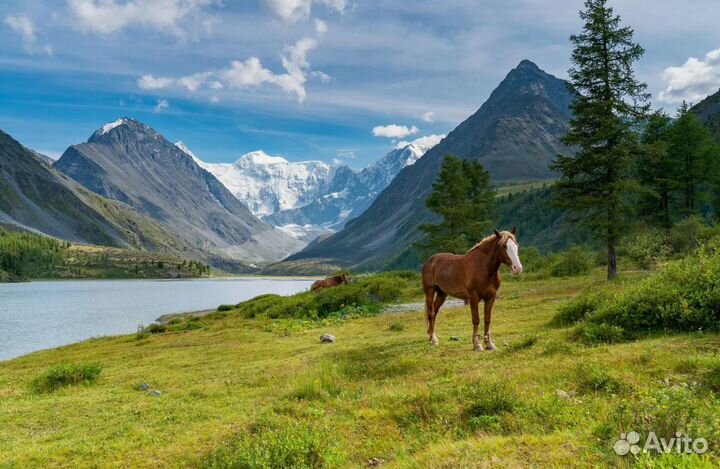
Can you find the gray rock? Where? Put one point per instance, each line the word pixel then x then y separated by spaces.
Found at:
pixel 155 393
pixel 327 338
pixel 454 338
pixel 144 387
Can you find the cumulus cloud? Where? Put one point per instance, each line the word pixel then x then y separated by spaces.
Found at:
pixel 161 106
pixel 428 117
pixel 428 141
pixel 248 74
pixel 292 11
pixel 110 16
pixel 150 82
pixel 25 27
pixel 693 80
pixel 394 131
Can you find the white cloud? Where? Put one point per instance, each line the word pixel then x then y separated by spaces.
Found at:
pixel 394 131
pixel 248 74
pixel 428 141
pixel 110 16
pixel 693 80
pixel 149 82
pixel 25 27
pixel 161 106
pixel 346 154
pixel 297 10
pixel 321 27
pixel 428 117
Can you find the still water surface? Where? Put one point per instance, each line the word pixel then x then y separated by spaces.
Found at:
pixel 40 315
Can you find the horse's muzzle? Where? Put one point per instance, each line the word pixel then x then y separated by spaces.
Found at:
pixel 516 269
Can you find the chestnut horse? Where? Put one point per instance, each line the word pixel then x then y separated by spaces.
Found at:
pixel 330 282
pixel 471 277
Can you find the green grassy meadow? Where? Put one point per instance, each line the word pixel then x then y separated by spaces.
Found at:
pixel 266 393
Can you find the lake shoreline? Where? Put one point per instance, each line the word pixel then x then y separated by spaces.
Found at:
pixel 53 313
pixel 168 279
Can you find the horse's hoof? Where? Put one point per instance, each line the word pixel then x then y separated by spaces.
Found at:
pixel 490 347
pixel 478 348
pixel 434 341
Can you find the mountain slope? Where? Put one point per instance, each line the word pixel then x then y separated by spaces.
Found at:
pixel 38 198
pixel 514 134
pixel 311 198
pixel 708 110
pixel 132 163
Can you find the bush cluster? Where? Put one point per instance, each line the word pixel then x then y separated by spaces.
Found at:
pixel 362 296
pixel 683 296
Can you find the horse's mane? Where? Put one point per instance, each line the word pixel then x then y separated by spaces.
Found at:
pixel 487 240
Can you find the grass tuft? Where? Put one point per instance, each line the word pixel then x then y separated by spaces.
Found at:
pixel 290 445
pixel 65 375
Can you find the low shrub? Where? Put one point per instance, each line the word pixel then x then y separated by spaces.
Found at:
pixel 648 249
pixel 278 446
pixel 64 375
pixel 592 334
pixel 579 307
pixel 155 328
pixel 574 261
pixel 396 327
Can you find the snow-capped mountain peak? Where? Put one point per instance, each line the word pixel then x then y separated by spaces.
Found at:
pixel 308 198
pixel 111 125
pixel 259 157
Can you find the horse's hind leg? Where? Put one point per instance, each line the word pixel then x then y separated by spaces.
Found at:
pixel 439 300
pixel 429 297
pixel 434 298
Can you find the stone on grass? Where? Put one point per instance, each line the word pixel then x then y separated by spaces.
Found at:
pixel 454 338
pixel 327 338
pixel 144 387
pixel 155 393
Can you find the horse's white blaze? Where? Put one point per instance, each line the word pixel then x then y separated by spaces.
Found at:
pixel 512 251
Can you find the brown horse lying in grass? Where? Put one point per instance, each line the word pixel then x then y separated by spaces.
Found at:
pixel 330 282
pixel 471 277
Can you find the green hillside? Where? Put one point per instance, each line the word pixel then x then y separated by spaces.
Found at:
pixel 262 392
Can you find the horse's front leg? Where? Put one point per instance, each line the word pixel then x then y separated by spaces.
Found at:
pixel 474 309
pixel 430 315
pixel 489 302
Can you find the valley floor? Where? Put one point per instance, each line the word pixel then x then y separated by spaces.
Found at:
pixel 379 396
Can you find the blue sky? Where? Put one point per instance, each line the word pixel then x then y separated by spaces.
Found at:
pixel 307 79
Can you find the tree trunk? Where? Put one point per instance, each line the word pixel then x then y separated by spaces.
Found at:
pixel 612 260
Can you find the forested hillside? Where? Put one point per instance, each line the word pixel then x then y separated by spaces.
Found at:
pixel 25 256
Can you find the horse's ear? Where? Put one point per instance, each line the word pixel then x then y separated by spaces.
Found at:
pixel 514 231
pixel 497 233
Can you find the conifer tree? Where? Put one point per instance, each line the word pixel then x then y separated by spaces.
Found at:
pixel 608 101
pixel 464 199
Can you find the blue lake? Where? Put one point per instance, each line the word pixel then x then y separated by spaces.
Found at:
pixel 40 315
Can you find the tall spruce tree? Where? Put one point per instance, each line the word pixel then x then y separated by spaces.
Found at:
pixel 608 101
pixel 464 199
pixel 694 153
pixel 655 168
